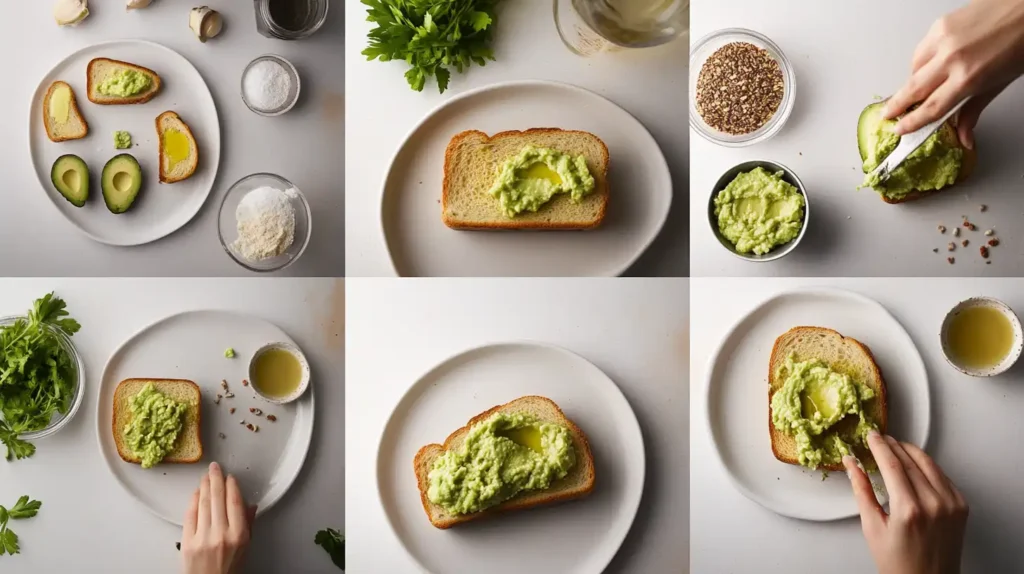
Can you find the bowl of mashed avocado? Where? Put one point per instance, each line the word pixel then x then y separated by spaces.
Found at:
pixel 758 210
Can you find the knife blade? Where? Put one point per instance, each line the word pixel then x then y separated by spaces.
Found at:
pixel 909 143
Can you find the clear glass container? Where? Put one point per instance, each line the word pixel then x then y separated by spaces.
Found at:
pixel 227 227
pixel 590 27
pixel 290 19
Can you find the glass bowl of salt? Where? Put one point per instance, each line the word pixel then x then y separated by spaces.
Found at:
pixel 270 85
pixel 264 222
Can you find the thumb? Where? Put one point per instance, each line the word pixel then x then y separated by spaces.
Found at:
pixel 872 515
pixel 968 117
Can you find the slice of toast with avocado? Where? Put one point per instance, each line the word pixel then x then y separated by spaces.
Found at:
pixel 471 165
pixel 577 483
pixel 179 152
pixel 873 151
pixel 842 354
pixel 113 82
pixel 188 448
pixel 61 117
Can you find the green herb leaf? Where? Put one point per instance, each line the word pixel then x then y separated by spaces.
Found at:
pixel 25 508
pixel 9 541
pixel 333 542
pixel 431 36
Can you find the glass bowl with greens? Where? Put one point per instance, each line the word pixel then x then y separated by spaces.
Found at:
pixel 41 375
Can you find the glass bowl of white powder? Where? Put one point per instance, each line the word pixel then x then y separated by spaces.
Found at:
pixel 270 85
pixel 264 222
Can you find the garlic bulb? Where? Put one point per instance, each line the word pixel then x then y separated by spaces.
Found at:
pixel 205 22
pixel 136 4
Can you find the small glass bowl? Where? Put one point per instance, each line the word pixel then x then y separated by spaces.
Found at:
pixel 703 49
pixel 227 227
pixel 293 94
pixel 59 421
pixel 303 364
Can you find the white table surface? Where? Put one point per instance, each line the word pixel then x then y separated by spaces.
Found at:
pixel 304 146
pixel 845 54
pixel 635 330
pixel 87 523
pixel 650 84
pixel 974 436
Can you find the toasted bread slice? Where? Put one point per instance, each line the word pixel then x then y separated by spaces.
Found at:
pixel 842 354
pixel 189 446
pixel 871 116
pixel 183 169
pixel 471 165
pixel 100 69
pixel 59 129
pixel 578 483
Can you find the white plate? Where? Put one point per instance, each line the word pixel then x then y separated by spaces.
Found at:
pixel 191 346
pixel 738 397
pixel 641 189
pixel 160 209
pixel 577 537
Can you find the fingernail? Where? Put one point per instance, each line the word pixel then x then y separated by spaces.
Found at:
pixel 214 467
pixel 874 434
pixel 849 462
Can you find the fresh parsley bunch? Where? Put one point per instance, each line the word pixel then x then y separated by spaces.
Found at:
pixel 24 508
pixel 37 376
pixel 334 543
pixel 431 36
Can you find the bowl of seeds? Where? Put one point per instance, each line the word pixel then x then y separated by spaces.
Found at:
pixel 742 87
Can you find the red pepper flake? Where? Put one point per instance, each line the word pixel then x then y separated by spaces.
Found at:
pixel 271 418
pixel 984 252
pixel 993 242
pixel 245 383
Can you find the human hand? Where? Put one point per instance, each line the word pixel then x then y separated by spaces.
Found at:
pixel 217 526
pixel 977 51
pixel 924 530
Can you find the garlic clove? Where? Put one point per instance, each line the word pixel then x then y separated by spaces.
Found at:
pixel 205 22
pixel 70 12
pixel 136 4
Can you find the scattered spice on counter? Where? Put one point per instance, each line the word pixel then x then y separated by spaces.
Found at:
pixel 271 418
pixel 740 87
pixel 266 223
pixel 267 85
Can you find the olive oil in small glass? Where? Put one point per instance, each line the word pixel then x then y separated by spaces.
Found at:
pixel 592 26
pixel 277 373
pixel 980 337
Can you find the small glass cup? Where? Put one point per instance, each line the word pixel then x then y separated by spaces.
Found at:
pixel 590 27
pixel 267 25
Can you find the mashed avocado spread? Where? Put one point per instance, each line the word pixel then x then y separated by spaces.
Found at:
pixel 933 166
pixel 156 421
pixel 500 457
pixel 758 211
pixel 122 140
pixel 810 404
pixel 125 83
pixel 527 181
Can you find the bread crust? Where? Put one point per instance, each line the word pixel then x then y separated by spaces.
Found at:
pixel 73 107
pixel 882 393
pixel 142 98
pixel 122 449
pixel 164 176
pixel 512 224
pixel 424 457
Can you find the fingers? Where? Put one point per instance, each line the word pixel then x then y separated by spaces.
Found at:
pixel 191 516
pixel 218 504
pixel 203 520
pixel 925 51
pixel 938 103
pixel 872 515
pixel 971 112
pixel 895 477
pixel 238 519
pixel 917 89
pixel 251 514
pixel 922 487
pixel 931 471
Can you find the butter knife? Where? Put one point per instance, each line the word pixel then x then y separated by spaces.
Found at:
pixel 909 143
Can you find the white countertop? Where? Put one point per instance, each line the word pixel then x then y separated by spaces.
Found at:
pixel 845 54
pixel 974 435
pixel 635 330
pixel 650 84
pixel 87 522
pixel 305 145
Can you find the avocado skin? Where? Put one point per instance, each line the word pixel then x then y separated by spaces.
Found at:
pixel 63 164
pixel 120 201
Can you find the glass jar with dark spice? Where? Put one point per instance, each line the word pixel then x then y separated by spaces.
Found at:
pixel 290 19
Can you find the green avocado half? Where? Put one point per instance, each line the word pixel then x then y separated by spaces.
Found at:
pixel 70 175
pixel 121 182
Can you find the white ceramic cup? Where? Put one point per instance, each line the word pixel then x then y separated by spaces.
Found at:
pixel 1011 357
pixel 303 364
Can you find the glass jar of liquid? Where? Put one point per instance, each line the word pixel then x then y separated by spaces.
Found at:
pixel 290 19
pixel 591 27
